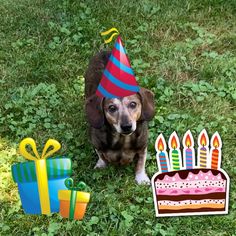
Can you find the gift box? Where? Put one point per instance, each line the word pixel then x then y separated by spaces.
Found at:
pixel 40 179
pixel 73 202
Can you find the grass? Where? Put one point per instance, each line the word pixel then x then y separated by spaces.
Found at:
pixel 184 51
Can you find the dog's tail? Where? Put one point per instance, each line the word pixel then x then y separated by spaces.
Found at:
pixel 93 74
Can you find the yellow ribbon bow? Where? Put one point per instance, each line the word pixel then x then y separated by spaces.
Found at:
pixel 116 32
pixel 40 166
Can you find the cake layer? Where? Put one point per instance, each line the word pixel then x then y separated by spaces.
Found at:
pixel 181 191
pixel 192 174
pixel 188 210
pixel 194 206
pixel 192 196
pixel 191 203
pixel 161 184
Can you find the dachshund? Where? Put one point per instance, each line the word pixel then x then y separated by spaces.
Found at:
pixel 118 127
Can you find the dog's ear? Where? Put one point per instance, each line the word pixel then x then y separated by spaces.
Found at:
pixel 148 107
pixel 94 111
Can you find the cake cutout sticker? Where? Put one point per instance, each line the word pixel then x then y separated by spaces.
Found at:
pixel 188 186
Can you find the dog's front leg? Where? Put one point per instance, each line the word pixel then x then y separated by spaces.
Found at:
pixel 140 174
pixel 100 163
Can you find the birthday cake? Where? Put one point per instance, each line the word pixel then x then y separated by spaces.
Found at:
pixel 196 189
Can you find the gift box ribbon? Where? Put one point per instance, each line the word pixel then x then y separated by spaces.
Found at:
pixel 40 167
pixel 69 183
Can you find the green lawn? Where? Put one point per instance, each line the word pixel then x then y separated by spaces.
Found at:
pixel 185 51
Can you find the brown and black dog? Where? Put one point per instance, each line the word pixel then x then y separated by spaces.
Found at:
pixel 118 127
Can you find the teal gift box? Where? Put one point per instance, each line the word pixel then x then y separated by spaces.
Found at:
pixel 40 180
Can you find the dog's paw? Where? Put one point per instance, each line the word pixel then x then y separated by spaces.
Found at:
pixel 142 178
pixel 100 164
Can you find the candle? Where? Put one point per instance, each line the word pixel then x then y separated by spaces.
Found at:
pixel 161 156
pixel 188 153
pixel 203 157
pixel 216 145
pixel 175 154
pixel 175 160
pixel 203 143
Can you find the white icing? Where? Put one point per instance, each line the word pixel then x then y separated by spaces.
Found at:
pixel 189 202
pixel 191 184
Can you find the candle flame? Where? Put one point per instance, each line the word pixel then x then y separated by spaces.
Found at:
pixel 173 142
pixel 216 142
pixel 203 140
pixel 188 142
pixel 160 145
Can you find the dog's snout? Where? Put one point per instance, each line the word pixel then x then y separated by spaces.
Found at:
pixel 126 127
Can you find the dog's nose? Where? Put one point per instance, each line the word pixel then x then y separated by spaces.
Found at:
pixel 126 128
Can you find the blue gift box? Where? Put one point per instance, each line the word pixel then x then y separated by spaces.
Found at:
pixel 24 174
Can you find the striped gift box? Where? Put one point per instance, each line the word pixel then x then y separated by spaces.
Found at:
pixel 79 205
pixel 24 174
pixel 58 167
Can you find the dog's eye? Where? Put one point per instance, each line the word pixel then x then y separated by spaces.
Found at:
pixel 132 105
pixel 112 108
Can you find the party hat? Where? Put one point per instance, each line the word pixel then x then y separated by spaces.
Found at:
pixel 118 78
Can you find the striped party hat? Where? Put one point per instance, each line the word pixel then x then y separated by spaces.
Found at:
pixel 118 78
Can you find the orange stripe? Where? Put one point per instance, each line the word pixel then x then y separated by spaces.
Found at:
pixel 192 206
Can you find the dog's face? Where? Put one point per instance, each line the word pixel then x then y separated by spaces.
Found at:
pixel 123 113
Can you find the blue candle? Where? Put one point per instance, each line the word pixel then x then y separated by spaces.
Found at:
pixel 163 162
pixel 161 156
pixel 189 158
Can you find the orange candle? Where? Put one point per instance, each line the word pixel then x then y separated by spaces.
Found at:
pixel 214 159
pixel 215 151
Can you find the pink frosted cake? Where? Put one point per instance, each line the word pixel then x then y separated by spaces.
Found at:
pixel 195 190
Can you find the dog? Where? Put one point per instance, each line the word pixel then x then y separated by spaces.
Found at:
pixel 118 127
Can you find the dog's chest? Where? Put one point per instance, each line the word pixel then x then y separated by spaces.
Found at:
pixel 120 150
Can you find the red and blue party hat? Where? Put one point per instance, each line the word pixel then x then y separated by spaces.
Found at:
pixel 118 78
